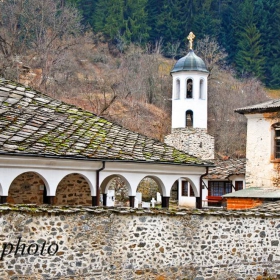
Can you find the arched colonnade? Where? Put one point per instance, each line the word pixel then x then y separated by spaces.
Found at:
pixel 64 185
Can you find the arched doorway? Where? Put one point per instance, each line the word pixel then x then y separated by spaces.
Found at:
pixel 174 194
pixel 73 189
pixel 115 191
pixel 27 188
pixel 184 193
pixel 148 190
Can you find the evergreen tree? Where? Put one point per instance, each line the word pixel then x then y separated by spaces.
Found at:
pixel 88 10
pixel 125 18
pixel 227 38
pixel 248 59
pixel 248 56
pixel 154 10
pixel 271 43
pixel 205 19
pixel 100 15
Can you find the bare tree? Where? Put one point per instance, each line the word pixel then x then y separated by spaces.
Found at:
pixel 36 33
pixel 225 95
pixel 211 53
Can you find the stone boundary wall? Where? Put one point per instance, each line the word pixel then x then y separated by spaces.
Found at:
pixel 194 141
pixel 125 244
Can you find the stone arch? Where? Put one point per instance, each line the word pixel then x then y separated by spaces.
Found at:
pixel 148 187
pixel 155 184
pixel 174 192
pixel 73 189
pixel 27 188
pixel 195 189
pixel 187 192
pixel 121 194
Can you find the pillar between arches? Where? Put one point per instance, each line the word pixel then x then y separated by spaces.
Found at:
pixel 3 199
pixel 50 200
pixel 131 201
pixel 165 202
pixel 95 201
pixel 104 199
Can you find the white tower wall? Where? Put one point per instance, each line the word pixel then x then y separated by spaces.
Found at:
pixel 197 104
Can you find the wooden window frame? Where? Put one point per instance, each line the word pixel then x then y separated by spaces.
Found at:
pixel 225 185
pixel 277 141
pixel 237 187
pixel 187 190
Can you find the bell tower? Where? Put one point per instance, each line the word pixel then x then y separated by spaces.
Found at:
pixel 189 91
pixel 189 106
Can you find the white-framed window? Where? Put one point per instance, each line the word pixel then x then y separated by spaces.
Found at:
pixel 177 90
pixel 201 89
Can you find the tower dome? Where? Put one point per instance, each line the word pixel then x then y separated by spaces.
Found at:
pixel 190 62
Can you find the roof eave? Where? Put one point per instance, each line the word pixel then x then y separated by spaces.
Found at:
pixel 106 159
pixel 257 110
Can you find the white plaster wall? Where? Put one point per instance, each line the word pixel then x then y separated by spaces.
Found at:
pixel 164 175
pixel 187 201
pixel 197 105
pixel 259 168
pixel 50 171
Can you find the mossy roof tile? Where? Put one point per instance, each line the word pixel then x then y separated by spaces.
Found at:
pixel 36 124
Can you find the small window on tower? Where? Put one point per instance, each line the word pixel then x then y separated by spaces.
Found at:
pixel 201 89
pixel 177 90
pixel 189 88
pixel 189 118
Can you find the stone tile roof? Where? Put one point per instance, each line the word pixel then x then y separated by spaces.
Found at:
pixel 35 124
pixel 256 192
pixel 224 168
pixel 269 206
pixel 268 106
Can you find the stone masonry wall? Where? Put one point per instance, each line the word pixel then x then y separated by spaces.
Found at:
pixel 72 190
pixel 194 141
pixel 96 243
pixel 26 189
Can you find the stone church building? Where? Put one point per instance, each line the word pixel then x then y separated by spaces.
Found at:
pixel 53 152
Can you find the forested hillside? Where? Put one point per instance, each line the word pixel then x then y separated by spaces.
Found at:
pixel 122 72
pixel 247 29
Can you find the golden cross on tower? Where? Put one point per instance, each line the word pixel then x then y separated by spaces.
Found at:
pixel 190 38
